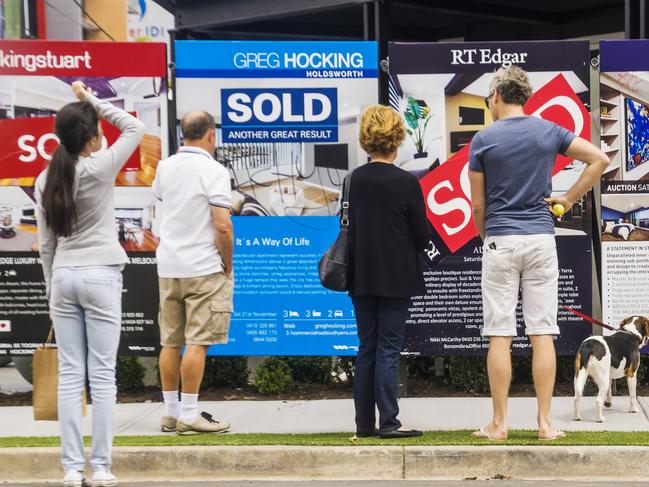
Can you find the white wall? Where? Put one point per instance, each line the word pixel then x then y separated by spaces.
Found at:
pixel 63 20
pixel 147 112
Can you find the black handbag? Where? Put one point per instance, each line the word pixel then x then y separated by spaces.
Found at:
pixel 333 264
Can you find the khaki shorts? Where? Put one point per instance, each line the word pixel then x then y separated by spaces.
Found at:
pixel 195 310
pixel 520 262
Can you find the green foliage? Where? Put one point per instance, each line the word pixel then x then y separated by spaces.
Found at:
pixel 430 438
pixel 421 367
pixel 412 113
pixel 522 369
pixel 468 374
pixel 344 368
pixel 565 369
pixel 310 370
pixel 225 372
pixel 129 374
pixel 417 119
pixel 273 377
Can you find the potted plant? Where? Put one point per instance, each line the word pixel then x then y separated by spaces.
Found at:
pixel 417 118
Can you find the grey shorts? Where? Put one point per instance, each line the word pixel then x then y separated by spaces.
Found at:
pixel 528 263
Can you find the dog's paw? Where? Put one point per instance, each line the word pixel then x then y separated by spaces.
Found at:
pixel 601 420
pixel 608 404
pixel 634 409
pixel 577 418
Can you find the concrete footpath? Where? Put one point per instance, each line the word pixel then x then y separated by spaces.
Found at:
pixel 371 483
pixel 148 464
pixel 337 415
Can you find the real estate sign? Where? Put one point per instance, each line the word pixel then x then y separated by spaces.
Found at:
pixel 440 89
pixel 624 121
pixel 35 78
pixel 287 118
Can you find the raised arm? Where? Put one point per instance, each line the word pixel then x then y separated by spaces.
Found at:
pixel 109 162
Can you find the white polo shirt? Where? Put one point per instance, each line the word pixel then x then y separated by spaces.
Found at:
pixel 188 183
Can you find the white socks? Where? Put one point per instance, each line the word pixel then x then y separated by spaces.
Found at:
pixel 172 405
pixel 188 407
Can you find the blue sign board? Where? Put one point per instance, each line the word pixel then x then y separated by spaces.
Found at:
pixel 276 59
pixel 624 55
pixel 279 115
pixel 278 107
pixel 280 307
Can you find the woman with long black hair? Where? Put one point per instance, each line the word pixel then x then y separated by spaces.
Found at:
pixel 82 262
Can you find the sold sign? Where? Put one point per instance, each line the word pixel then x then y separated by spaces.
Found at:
pixel 279 115
pixel 27 146
pixel 558 103
pixel 446 189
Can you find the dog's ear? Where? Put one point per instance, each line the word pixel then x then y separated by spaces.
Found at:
pixel 625 321
pixel 645 322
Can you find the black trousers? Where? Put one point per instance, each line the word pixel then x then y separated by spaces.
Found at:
pixel 381 327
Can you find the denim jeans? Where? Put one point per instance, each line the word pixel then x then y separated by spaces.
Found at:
pixel 86 309
pixel 381 328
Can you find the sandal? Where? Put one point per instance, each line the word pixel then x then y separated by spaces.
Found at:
pixel 557 434
pixel 481 433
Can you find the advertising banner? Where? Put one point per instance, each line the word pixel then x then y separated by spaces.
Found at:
pixel 35 78
pixel 148 22
pixel 624 136
pixel 287 117
pixel 440 89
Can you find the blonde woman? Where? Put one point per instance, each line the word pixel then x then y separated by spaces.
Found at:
pixel 388 229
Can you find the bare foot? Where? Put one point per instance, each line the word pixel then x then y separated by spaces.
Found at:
pixel 550 433
pixel 491 432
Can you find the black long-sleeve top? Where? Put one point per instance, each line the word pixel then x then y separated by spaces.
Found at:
pixel 388 229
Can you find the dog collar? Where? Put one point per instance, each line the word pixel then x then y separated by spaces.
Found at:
pixel 635 334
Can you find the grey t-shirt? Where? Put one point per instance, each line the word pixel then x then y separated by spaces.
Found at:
pixel 516 155
pixel 94 236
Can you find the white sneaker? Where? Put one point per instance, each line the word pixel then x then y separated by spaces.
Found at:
pixel 73 478
pixel 103 478
pixel 203 423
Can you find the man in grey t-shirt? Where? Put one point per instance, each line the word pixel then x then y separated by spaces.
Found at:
pixel 510 171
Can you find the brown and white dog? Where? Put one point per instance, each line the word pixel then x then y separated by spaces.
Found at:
pixel 605 358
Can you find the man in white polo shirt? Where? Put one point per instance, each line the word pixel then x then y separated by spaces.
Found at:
pixel 194 269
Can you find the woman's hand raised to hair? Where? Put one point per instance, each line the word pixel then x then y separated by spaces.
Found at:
pixel 80 90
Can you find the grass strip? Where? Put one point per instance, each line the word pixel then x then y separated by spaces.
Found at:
pixel 430 438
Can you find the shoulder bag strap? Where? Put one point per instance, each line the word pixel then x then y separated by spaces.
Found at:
pixel 50 336
pixel 344 221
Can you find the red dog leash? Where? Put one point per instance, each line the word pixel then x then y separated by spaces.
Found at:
pixel 589 318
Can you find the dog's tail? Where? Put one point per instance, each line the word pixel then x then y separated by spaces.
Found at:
pixel 581 375
pixel 591 348
pixel 582 358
